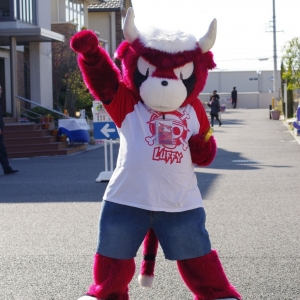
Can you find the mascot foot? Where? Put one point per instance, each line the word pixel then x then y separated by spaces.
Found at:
pixel 86 297
pixel 214 284
pixel 228 299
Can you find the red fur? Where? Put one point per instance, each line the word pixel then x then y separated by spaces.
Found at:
pixel 149 248
pixel 206 278
pixel 209 59
pixel 202 153
pixel 111 278
pixel 100 74
pixel 85 42
pixel 129 60
pixel 203 275
pixel 165 62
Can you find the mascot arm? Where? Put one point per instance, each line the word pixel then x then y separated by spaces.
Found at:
pixel 203 149
pixel 100 74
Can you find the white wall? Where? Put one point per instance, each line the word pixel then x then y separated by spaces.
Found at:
pixel 41 60
pixel 43 13
pixel 41 74
pixel 245 100
pixel 224 81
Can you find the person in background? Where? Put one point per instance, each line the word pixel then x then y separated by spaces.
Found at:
pixel 234 97
pixel 3 155
pixel 214 105
pixel 214 95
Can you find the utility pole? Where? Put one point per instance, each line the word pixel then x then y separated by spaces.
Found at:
pixel 275 51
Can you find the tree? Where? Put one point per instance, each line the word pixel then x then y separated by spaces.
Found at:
pixel 291 62
pixel 69 90
pixel 291 71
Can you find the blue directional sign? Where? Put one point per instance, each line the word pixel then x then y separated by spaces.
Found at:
pixel 105 131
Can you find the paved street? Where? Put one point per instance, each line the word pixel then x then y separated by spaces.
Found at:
pixel 49 218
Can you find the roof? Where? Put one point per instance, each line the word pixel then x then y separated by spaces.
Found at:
pixel 106 5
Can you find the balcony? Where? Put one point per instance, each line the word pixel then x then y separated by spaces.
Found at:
pixel 18 19
pixel 18 10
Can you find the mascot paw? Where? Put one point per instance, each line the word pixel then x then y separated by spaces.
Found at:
pixel 145 281
pixel 84 42
pixel 202 153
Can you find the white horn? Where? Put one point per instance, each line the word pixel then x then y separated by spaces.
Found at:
pixel 207 41
pixel 130 31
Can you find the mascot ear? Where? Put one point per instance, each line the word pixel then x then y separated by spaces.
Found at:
pixel 209 59
pixel 122 50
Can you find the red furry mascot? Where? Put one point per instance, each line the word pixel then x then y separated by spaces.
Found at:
pixel 164 131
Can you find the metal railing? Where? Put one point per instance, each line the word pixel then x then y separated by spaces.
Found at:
pixel 25 109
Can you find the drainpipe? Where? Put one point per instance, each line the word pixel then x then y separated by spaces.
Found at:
pixel 57 6
pixel 112 17
pixel 13 74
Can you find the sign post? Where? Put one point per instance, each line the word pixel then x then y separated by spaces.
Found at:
pixel 104 129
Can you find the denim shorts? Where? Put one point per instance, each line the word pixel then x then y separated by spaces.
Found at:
pixel 122 229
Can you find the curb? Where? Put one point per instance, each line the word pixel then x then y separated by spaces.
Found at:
pixel 286 124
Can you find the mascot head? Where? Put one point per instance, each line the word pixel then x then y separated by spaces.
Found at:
pixel 166 70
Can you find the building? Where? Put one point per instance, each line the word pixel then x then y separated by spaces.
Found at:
pixel 25 53
pixel 107 19
pixel 29 27
pixel 254 87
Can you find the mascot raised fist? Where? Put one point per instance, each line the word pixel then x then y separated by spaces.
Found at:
pixel 164 130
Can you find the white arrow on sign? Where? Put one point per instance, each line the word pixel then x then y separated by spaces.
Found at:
pixel 105 130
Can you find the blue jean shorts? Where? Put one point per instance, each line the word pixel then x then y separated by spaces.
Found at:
pixel 122 229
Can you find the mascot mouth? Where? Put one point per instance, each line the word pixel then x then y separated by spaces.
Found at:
pixel 163 95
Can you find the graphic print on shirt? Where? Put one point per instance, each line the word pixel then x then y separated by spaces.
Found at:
pixel 168 132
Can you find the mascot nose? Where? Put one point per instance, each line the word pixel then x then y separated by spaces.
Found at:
pixel 164 83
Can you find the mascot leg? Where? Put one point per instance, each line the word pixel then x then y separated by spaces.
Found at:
pixel 205 277
pixel 111 278
pixel 149 252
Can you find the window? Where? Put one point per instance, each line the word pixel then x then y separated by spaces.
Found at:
pixel 5 9
pixel 23 10
pixel 75 12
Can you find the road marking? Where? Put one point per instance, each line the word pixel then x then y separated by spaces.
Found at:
pixel 292 141
pixel 247 161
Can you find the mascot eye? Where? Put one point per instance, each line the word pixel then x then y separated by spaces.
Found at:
pixel 144 67
pixel 185 71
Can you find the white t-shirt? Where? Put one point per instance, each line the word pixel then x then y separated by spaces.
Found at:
pixel 148 174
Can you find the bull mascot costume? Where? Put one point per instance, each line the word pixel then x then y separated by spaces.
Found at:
pixel 153 193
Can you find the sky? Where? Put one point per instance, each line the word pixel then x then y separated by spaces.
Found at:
pixel 245 27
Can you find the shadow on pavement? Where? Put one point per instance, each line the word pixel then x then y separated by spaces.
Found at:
pixel 72 178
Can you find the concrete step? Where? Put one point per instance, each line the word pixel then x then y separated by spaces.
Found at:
pixel 64 151
pixel 23 134
pixel 30 140
pixel 36 147
pixel 8 120
pixel 13 127
pixel 27 139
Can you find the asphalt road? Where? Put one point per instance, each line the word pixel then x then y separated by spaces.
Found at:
pixel 49 218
